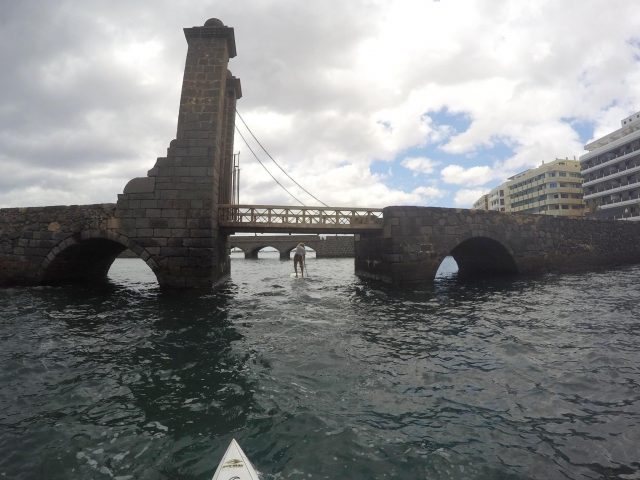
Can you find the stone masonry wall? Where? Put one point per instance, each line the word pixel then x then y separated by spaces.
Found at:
pixel 29 236
pixel 415 240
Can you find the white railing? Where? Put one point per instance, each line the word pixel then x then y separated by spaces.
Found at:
pixel 317 218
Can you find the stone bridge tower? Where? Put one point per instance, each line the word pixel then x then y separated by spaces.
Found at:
pixel 172 212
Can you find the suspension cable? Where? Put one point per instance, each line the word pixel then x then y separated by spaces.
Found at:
pixel 263 166
pixel 274 161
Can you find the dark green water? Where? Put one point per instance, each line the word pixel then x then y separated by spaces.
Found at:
pixel 326 378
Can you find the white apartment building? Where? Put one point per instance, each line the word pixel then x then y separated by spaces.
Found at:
pixel 611 173
pixel 553 188
pixel 496 199
pixel 482 203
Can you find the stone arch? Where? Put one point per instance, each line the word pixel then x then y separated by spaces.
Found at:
pixel 87 257
pixel 251 252
pixel 231 246
pixel 482 255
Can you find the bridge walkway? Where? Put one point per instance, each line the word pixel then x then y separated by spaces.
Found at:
pixel 287 219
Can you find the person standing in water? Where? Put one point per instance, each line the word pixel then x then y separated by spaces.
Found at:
pixel 299 257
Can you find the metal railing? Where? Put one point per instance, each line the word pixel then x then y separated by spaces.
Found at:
pixel 278 217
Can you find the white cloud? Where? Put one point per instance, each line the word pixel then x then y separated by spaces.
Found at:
pixel 466 197
pixel 457 175
pixel 428 193
pixel 419 165
pixel 328 87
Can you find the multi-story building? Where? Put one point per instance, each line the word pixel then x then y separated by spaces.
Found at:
pixel 553 188
pixel 482 203
pixel 611 173
pixel 496 200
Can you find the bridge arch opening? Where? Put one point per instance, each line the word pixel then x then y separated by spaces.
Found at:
pixel 448 267
pixel 236 252
pixel 129 269
pixel 483 256
pixel 84 260
pixel 267 252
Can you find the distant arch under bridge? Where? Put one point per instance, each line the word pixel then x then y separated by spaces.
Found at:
pixel 325 247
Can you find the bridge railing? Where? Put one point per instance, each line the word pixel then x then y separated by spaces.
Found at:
pixel 304 218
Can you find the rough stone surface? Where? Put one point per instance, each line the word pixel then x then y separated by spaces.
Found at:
pixel 328 247
pixel 140 185
pixel 415 240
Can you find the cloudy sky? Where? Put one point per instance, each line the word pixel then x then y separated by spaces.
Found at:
pixel 365 102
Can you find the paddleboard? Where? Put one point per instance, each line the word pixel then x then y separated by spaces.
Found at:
pixel 235 465
pixel 293 275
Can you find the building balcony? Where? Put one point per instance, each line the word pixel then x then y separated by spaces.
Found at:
pixel 623 137
pixel 616 159
pixel 614 204
pixel 608 191
pixel 627 218
pixel 611 176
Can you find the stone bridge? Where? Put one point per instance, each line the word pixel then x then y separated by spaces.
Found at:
pixel 169 218
pixel 338 246
pixel 415 240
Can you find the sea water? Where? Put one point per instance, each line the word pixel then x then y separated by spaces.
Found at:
pixel 330 377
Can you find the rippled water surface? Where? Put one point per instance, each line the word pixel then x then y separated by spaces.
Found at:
pixel 327 378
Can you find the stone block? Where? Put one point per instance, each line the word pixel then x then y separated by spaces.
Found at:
pixel 177 223
pixel 200 232
pixel 159 223
pixel 142 222
pixel 172 213
pixel 174 251
pixel 168 194
pixel 140 185
pixel 197 242
pixel 144 232
pixel 198 171
pixel 179 232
